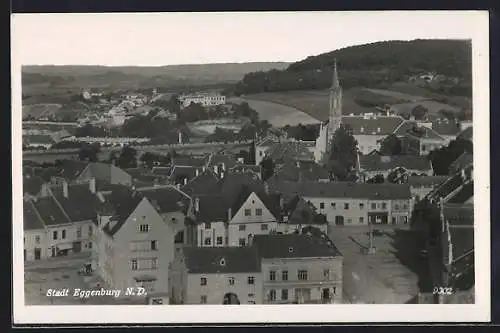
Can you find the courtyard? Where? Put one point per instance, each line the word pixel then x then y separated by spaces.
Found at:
pixel 394 274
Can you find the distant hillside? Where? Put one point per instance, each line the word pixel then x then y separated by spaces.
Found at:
pixel 175 75
pixel 370 65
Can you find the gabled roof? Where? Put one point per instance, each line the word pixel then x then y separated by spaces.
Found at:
pixel 120 204
pixel 294 246
pixel 301 171
pixel 212 208
pixel 466 134
pixel 161 171
pixel 80 205
pixel 385 191
pixel 188 161
pixel 426 181
pixel 423 132
pixel 51 211
pixel 231 184
pixel 302 212
pixel 32 184
pixel 166 199
pixel 71 169
pixel 187 172
pixel 107 172
pixel 386 163
pixel 285 152
pixel 221 159
pixel 463 195
pixel 372 125
pixel 464 160
pixel 31 218
pixel 270 201
pixel 446 127
pixel 217 260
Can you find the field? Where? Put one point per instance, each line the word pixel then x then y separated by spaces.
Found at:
pixel 42 109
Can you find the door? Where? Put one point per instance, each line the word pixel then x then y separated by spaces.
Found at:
pixel 339 220
pixel 325 295
pixel 38 254
pixel 53 251
pixel 77 247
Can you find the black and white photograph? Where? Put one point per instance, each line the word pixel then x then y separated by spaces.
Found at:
pixel 320 160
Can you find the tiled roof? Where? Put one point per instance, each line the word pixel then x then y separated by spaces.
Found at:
pixel 71 169
pixel 372 125
pixel 464 194
pixel 212 207
pixel 241 168
pixel 231 184
pixel 423 132
pixel 51 212
pixel 188 161
pixel 214 260
pixel 122 202
pixel 204 183
pixel 426 181
pixel 446 127
pixel 164 171
pixel 182 172
pixel 80 205
pixel 294 246
pixel 31 218
pixel 302 212
pixel 466 134
pixel 382 163
pixel 304 171
pixel 459 214
pixel 219 159
pixel 270 201
pixel 107 172
pixel 385 191
pixel 166 199
pixel 32 184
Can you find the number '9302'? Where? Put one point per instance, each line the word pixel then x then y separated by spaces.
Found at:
pixel 442 291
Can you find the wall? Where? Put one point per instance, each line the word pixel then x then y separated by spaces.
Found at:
pixel 71 235
pixel 30 244
pixel 368 143
pixel 316 279
pixel 217 229
pixel 218 285
pixel 354 213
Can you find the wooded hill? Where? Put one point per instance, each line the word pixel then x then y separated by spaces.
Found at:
pixel 370 65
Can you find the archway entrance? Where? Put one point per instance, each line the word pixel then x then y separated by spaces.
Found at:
pixel 231 298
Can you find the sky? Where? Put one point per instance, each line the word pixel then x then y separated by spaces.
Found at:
pixel 157 39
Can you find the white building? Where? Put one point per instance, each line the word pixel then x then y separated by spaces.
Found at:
pixel 203 99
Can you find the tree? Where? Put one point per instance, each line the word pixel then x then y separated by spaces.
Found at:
pixel 267 168
pixel 343 154
pixel 127 158
pixel 378 179
pixel 89 152
pixel 419 112
pixel 442 158
pixel 391 145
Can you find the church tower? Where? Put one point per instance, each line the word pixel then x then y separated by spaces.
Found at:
pixel 335 114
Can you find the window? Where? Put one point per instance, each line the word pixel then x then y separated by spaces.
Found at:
pixel 79 232
pixel 144 228
pixel 242 242
pixel 272 295
pixel 219 240
pixel 258 212
pixel 54 235
pixel 396 207
pixel 208 241
pixel 384 205
pixel 156 301
pixel 302 274
pixel 134 264
pixel 231 281
pixel 248 212
pixel 321 205
pixel 154 245
pixel 272 275
pixel 203 281
pixel 326 273
pixel 349 221
pixel 203 299
pixel 361 206
pixel 90 245
pixel 346 206
pixel 251 280
pixel 333 205
pixel 423 147
pixel 154 263
pixel 361 220
pixel 417 198
pixel 284 294
pixel 263 227
pixel 374 206
pixel 284 275
pixel 208 225
pixel 405 206
pixel 90 230
pixel 242 227
pixel 63 234
pixel 37 239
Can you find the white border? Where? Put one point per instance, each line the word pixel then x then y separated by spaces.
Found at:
pixel 479 312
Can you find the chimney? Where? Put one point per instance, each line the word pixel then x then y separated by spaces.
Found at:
pixel 197 172
pixel 185 181
pixel 92 185
pixel 65 188
pixel 203 168
pixel 229 214
pixel 196 205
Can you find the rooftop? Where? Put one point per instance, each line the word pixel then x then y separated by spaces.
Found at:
pixel 426 181
pixel 381 163
pixel 294 246
pixel 166 199
pixel 372 125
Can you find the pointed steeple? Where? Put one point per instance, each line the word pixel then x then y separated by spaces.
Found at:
pixel 335 78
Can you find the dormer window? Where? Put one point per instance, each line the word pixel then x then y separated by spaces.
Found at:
pixel 222 262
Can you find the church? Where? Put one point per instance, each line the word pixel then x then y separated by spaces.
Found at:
pixel 327 129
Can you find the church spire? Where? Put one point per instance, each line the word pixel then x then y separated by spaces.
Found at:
pixel 335 78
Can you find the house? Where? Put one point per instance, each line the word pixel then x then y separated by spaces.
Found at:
pixel 464 160
pixel 38 141
pixel 299 269
pixel 457 188
pixel 347 203
pixel 66 212
pixel 254 170
pixel 369 129
pixel 217 275
pixel 300 171
pixel 205 99
pixel 135 241
pixel 220 162
pixel 300 216
pixel 287 152
pixel 202 183
pixel 35 233
pixel 420 186
pixel 75 171
pixel 448 129
pixel 32 186
pixel 370 166
pixel 422 140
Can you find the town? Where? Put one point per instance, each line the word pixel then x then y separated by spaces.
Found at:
pixel 199 199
